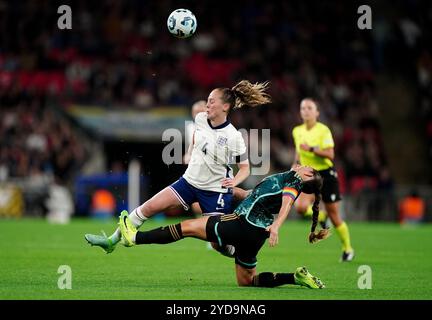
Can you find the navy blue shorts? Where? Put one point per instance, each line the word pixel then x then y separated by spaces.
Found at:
pixel 209 201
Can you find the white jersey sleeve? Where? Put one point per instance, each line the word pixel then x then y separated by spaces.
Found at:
pixel 238 147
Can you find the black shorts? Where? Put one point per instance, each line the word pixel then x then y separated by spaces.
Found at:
pixel 330 190
pixel 245 237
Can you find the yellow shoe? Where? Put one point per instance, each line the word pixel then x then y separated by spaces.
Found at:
pixel 302 277
pixel 127 229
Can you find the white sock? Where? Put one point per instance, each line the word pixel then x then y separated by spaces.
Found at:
pixel 137 220
pixel 116 236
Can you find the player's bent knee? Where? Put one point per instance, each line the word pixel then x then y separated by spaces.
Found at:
pixel 244 281
pixel 193 228
pixel 244 276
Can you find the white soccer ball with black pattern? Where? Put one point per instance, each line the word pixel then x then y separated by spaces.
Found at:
pixel 182 23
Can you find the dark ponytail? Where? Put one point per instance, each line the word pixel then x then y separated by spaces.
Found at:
pixel 323 233
pixel 315 211
pixel 314 186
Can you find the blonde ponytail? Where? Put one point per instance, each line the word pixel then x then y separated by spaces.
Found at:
pixel 248 94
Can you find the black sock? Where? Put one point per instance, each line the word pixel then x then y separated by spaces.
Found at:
pixel 272 279
pixel 161 235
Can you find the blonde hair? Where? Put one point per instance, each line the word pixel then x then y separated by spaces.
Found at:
pixel 246 93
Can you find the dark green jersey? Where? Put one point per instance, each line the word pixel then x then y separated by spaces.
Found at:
pixel 265 199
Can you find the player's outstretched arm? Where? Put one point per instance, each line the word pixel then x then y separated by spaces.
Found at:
pixel 281 217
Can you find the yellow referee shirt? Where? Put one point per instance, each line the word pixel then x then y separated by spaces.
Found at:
pixel 318 136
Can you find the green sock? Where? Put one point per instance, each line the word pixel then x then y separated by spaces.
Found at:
pixel 343 233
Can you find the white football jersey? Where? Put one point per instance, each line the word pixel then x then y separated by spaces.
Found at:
pixel 214 150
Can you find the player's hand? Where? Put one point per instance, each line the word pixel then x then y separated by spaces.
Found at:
pixel 228 183
pixel 305 147
pixel 274 234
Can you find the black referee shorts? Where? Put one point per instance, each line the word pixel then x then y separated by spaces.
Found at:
pixel 234 230
pixel 330 190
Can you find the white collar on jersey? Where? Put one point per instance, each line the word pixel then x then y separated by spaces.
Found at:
pixel 223 125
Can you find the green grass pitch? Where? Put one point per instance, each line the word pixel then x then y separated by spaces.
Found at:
pixel 31 251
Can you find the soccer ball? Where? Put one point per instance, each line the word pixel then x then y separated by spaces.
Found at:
pixel 182 23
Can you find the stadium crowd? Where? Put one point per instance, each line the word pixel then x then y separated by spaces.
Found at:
pixel 35 142
pixel 424 69
pixel 121 55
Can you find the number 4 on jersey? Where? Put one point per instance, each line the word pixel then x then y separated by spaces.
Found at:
pixel 221 201
pixel 204 148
